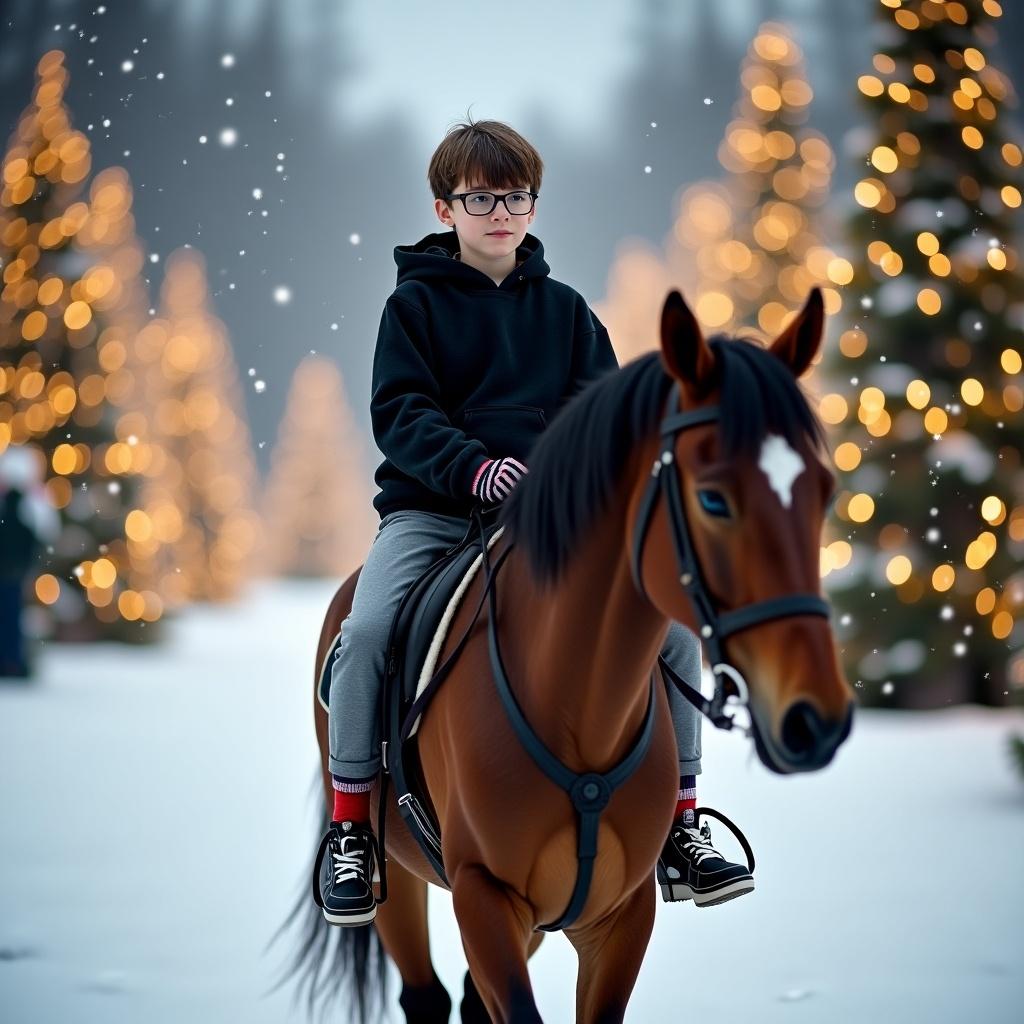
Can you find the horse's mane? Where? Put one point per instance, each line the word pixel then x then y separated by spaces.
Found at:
pixel 577 462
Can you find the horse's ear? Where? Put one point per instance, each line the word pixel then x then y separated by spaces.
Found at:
pixel 798 344
pixel 684 351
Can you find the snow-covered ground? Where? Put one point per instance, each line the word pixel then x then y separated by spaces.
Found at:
pixel 156 820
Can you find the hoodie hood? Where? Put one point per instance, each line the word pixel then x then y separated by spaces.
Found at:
pixel 433 258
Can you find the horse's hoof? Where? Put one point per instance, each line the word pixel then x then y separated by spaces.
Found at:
pixel 428 1004
pixel 472 1009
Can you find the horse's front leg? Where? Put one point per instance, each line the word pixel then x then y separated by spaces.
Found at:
pixel 496 926
pixel 611 951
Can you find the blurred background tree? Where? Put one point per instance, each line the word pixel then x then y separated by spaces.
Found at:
pixel 747 248
pixel 196 519
pixel 318 510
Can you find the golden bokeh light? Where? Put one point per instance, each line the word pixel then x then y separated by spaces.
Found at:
pixel 943 578
pixel 935 420
pixel 898 570
pixel 861 508
pixel 847 456
pixel 928 301
pixel 972 391
pixel 833 408
pixel 918 394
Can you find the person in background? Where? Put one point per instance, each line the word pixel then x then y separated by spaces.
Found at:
pixel 28 520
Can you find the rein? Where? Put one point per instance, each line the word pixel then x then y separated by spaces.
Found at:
pixel 716 624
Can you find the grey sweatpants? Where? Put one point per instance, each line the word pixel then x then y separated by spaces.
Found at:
pixel 406 543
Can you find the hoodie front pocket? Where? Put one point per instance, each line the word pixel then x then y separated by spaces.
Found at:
pixel 505 429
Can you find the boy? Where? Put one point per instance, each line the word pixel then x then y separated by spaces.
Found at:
pixel 478 348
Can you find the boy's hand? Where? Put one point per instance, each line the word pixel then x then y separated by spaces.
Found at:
pixel 496 478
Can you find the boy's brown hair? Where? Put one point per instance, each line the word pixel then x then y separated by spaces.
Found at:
pixel 485 152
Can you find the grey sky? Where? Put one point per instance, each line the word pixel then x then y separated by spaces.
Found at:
pixel 567 58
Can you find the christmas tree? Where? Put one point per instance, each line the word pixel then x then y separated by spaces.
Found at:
pixel 318 511
pixel 195 524
pixel 746 249
pixel 63 373
pixel 926 406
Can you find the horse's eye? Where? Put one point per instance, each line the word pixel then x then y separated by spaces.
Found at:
pixel 713 503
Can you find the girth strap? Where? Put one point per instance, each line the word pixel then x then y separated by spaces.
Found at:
pixel 589 791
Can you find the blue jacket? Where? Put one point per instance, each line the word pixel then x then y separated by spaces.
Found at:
pixel 465 370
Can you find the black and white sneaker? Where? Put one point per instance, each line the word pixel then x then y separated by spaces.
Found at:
pixel 343 874
pixel 690 868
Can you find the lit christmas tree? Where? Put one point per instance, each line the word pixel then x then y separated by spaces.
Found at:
pixel 927 398
pixel 759 256
pixel 63 377
pixel 195 525
pixel 318 511
pixel 746 250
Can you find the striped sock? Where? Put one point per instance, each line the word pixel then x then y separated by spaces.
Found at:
pixel 351 799
pixel 686 801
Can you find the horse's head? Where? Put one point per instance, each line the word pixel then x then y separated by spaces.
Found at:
pixel 726 531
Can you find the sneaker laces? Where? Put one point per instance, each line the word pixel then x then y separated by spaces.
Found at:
pixel 348 864
pixel 699 844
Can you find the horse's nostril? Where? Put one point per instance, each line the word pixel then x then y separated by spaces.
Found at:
pixel 801 729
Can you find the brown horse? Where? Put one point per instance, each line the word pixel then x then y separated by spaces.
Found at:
pixel 585 597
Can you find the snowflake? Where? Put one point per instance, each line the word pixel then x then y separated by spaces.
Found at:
pixel 228 136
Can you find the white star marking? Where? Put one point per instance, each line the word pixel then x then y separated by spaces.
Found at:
pixel 781 465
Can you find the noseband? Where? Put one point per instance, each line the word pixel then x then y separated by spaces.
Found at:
pixel 716 624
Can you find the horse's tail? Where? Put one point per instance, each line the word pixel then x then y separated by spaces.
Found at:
pixel 322 966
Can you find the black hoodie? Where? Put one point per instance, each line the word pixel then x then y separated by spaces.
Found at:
pixel 467 370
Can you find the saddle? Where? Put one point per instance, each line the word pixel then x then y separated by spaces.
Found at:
pixel 412 678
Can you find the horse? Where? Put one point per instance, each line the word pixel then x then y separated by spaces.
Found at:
pixel 687 485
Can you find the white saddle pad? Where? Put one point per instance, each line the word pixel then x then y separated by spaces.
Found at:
pixel 437 644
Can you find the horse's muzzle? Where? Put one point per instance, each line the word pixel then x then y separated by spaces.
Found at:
pixel 806 741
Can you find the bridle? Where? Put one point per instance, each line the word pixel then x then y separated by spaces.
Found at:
pixel 716 624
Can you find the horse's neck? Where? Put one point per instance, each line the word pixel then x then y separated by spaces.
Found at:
pixel 585 648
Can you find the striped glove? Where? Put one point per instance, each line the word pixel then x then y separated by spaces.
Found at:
pixel 495 479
